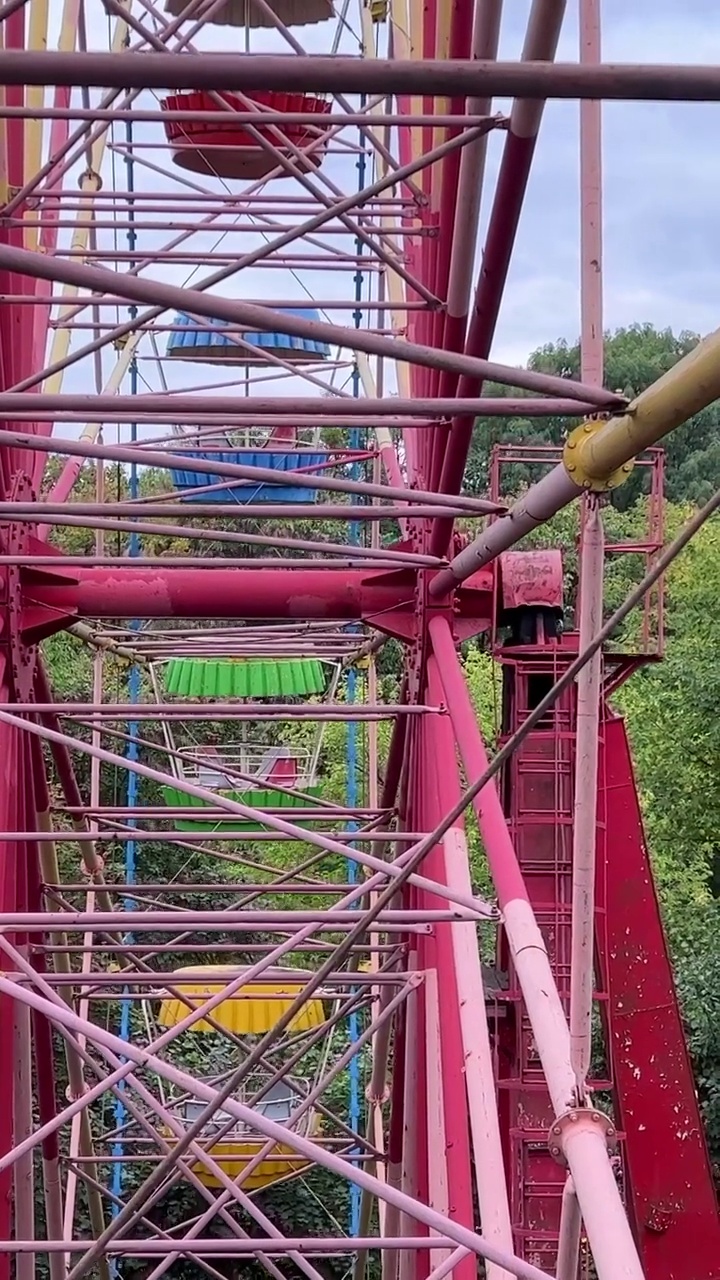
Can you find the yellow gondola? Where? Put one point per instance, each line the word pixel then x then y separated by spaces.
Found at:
pixel 252 1011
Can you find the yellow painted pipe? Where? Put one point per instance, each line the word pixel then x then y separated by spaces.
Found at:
pixel 90 184
pixel 35 98
pixel 394 284
pixel 599 454
pixel 442 50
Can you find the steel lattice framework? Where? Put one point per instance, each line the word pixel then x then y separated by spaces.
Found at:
pixel 289 191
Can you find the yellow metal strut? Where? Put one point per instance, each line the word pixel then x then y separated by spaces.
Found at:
pixel 599 455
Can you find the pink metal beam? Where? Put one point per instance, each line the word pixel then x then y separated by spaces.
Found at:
pixel 114 224
pixel 202 837
pixel 328 813
pixel 145 419
pixel 470 179
pixel 319 74
pixel 591 229
pixel 192 533
pixel 96 981
pixel 222 710
pixel 230 408
pixel 215 510
pixel 218 922
pixel 144 116
pixel 592 540
pixel 329 648
pixel 253 199
pixel 489 1158
pixel 570 1232
pixel 168 460
pixel 263 319
pixel 270 1246
pixel 251 204
pixel 464 39
pixel 589 690
pixel 135 952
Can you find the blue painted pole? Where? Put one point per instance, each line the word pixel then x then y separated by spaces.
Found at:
pixel 356 435
pixel 131 754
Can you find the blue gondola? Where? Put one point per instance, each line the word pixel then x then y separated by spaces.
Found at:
pixel 189 341
pixel 275 459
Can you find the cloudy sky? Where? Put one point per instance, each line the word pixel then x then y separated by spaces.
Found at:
pixel 661 186
pixel 661 189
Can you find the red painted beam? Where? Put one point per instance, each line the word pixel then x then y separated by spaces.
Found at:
pixel 387 598
pixel 232 593
pixel 667 1168
pixel 195 302
pixel 321 74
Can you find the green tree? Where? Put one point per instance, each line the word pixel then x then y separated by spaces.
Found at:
pixel 672 715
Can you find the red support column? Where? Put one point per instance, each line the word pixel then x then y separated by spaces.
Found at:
pixel 668 1177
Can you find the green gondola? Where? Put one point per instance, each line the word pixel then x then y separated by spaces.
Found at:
pixel 216 767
